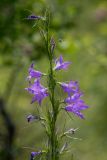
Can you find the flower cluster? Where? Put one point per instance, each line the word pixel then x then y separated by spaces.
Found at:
pixel 73 102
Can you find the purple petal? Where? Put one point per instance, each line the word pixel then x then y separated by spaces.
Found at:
pixel 65 65
pixel 82 106
pixel 74 86
pixel 58 66
pixel 79 114
pixel 33 99
pixel 61 59
pixel 33 73
pixel 68 108
pixel 75 111
pixel 30 90
pixel 73 98
pixel 40 96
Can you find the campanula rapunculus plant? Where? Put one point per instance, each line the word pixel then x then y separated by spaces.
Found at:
pixel 72 102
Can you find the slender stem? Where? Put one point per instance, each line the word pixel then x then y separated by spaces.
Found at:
pixel 53 143
pixel 54 114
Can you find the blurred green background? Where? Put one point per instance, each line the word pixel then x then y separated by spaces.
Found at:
pixel 80 31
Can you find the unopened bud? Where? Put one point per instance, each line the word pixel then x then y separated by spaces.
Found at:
pixel 52 43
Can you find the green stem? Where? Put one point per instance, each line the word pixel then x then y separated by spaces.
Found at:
pixel 53 143
pixel 53 136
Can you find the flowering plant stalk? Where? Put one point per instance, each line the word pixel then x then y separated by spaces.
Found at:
pixel 72 103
